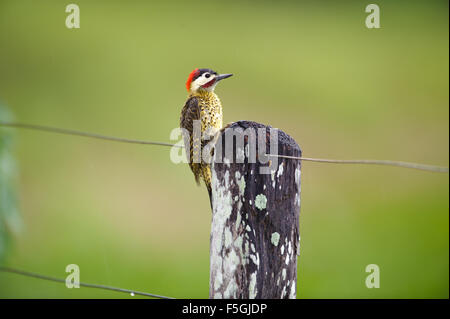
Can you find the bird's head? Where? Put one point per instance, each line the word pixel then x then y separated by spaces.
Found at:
pixel 204 79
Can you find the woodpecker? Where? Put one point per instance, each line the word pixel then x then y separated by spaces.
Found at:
pixel 204 106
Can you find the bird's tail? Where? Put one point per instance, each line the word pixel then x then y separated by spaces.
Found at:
pixel 208 187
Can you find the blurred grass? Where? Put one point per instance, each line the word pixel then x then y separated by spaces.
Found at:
pixel 9 212
pixel 130 218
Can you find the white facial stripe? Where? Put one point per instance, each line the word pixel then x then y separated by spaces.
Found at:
pixel 202 80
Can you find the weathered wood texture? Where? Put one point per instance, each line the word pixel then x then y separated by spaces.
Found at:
pixel 255 222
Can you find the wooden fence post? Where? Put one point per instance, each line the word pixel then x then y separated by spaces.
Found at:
pixel 256 205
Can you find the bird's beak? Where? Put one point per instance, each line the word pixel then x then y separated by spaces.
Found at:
pixel 222 76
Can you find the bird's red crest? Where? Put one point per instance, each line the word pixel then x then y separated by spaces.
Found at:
pixel 190 77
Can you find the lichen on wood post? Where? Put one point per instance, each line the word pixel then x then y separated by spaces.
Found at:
pixel 255 219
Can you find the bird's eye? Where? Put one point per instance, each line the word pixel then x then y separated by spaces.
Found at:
pixel 207 75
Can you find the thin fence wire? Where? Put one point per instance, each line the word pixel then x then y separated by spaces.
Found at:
pixel 418 166
pixel 82 284
pixel 423 167
pixel 83 134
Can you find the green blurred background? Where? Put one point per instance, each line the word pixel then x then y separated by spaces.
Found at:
pixel 131 218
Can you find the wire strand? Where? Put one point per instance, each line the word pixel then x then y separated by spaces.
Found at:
pixel 418 166
pixel 423 167
pixel 82 284
pixel 83 134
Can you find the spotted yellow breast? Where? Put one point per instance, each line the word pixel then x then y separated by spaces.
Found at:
pixel 210 112
pixel 211 120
